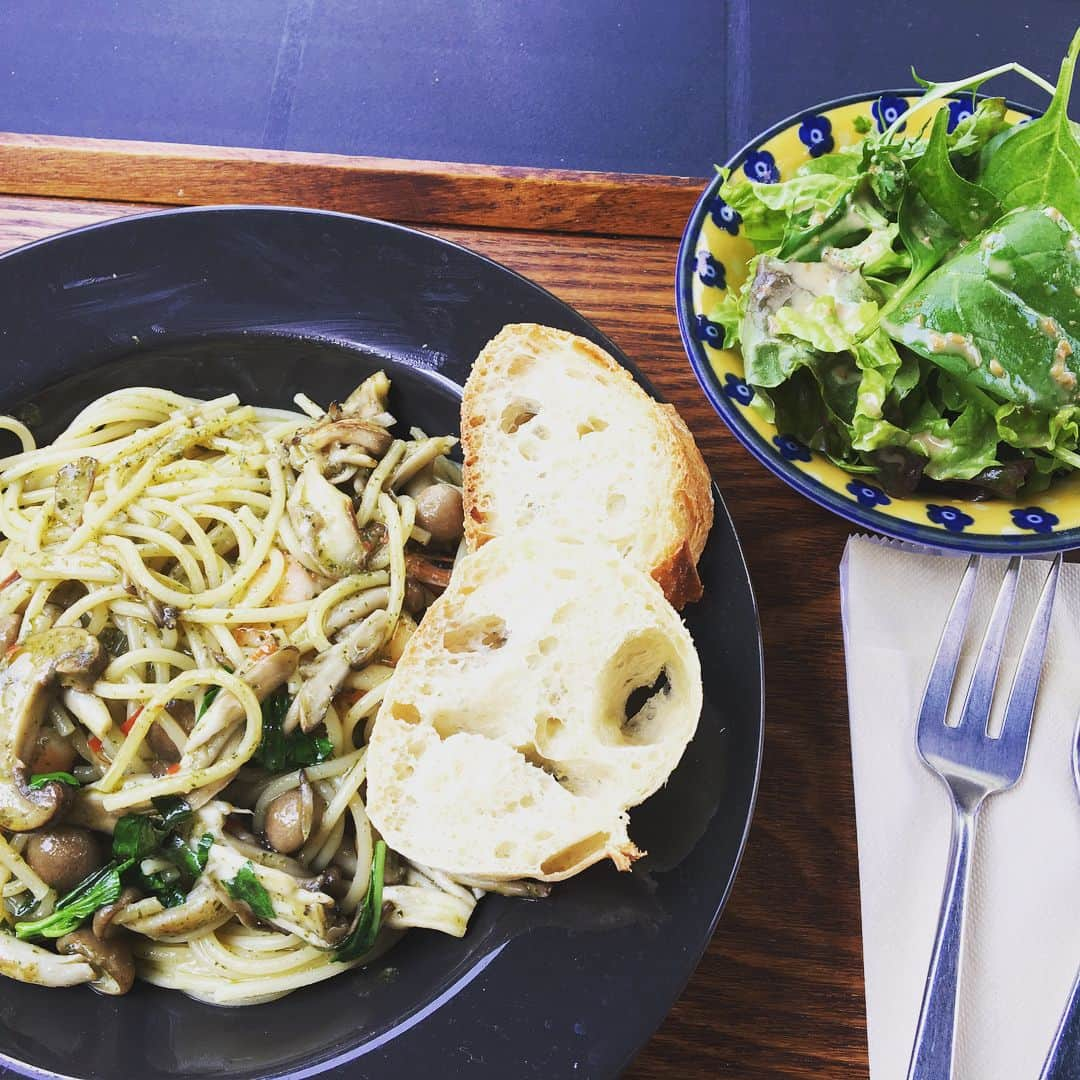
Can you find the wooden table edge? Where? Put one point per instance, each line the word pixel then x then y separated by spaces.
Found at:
pixel 398 189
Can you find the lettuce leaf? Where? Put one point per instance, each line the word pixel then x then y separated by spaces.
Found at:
pixel 766 209
pixel 826 324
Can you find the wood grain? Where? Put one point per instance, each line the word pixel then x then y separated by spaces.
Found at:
pixel 779 993
pixel 432 192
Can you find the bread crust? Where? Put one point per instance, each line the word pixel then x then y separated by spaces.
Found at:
pixel 691 505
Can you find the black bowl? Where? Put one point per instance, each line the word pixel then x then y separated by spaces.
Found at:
pixel 267 302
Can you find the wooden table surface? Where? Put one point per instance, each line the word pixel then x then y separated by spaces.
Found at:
pixel 779 992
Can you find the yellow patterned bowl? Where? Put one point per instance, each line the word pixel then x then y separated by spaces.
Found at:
pixel 713 258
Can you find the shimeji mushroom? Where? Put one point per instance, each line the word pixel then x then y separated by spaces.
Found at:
pixel 65 655
pixel 264 676
pixel 297 903
pixel 112 962
pixel 325 676
pixel 325 524
pixel 31 963
pixel 201 911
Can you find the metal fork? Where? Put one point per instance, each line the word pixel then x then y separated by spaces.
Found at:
pixel 972 766
pixel 1063 1058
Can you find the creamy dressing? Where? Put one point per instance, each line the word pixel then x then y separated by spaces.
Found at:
pixel 948 344
pixel 815 279
pixel 1058 371
pixel 871 405
pixel 931 444
pixel 1049 327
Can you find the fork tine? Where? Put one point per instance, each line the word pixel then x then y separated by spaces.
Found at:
pixel 981 691
pixel 935 702
pixel 1025 685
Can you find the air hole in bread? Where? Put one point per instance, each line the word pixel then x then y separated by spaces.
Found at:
pixel 405 712
pixel 547 645
pixel 517 414
pixel 504 850
pixel 640 697
pixel 575 855
pixel 616 503
pixel 535 758
pixel 489 632
pixel 587 427
pixel 547 729
pixel 642 705
pixel 638 684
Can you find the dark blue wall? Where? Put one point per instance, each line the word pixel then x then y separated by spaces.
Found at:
pixel 594 84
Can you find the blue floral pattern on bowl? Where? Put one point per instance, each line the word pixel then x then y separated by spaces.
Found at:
pixel 949 517
pixel 791 449
pixel 738 389
pixel 887 109
pixel 710 270
pixel 959 109
pixel 760 166
pixel 1034 518
pixel 815 133
pixel 710 332
pixel 723 216
pixel 868 495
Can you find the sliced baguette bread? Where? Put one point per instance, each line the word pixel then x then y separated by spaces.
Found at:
pixel 503 747
pixel 556 433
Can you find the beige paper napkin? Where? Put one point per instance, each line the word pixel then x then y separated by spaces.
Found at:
pixel 1023 943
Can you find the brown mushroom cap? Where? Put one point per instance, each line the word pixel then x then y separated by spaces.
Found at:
pixel 416 597
pixel 67 655
pixel 51 752
pixel 439 510
pixel 64 855
pixel 111 960
pixel 292 817
pixel 103 918
pixel 331 881
pixel 183 712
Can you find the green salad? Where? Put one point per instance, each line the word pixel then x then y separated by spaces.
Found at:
pixel 913 309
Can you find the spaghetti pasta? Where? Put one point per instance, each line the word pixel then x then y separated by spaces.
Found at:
pixel 210 597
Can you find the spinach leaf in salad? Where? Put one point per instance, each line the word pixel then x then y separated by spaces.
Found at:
pixel 1038 164
pixel 939 209
pixel 1003 316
